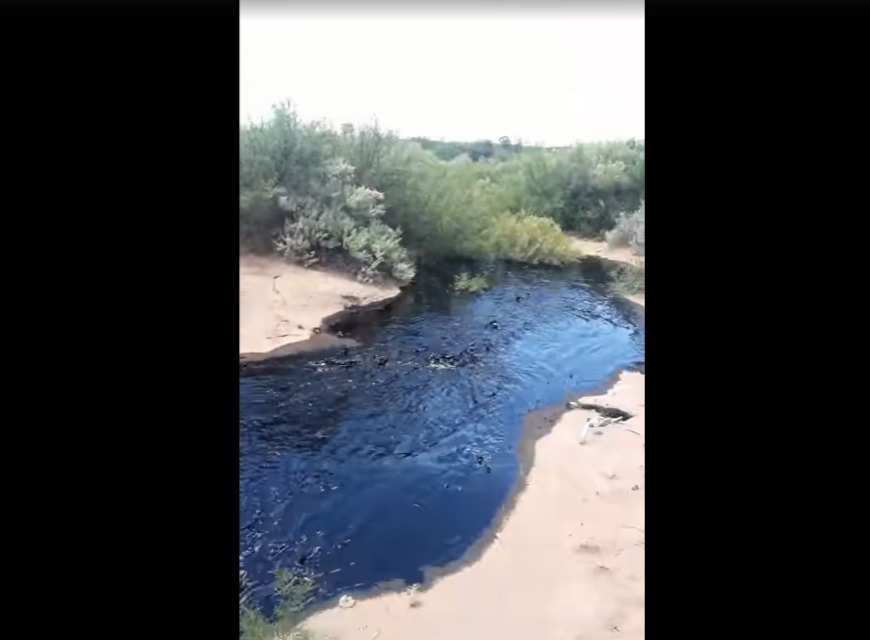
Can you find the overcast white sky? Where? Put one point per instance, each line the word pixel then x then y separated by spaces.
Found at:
pixel 555 77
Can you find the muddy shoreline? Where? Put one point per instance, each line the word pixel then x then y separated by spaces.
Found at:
pixel 535 425
pixel 285 309
pixel 473 589
pixel 329 335
pixel 484 561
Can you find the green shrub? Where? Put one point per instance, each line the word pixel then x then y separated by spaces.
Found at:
pixel 344 221
pixel 293 591
pixel 465 283
pixel 529 238
pixel 365 199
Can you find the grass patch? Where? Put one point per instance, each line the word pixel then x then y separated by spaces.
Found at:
pixel 293 591
pixel 466 283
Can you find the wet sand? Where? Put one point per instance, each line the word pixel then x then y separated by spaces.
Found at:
pixel 564 561
pixel 282 304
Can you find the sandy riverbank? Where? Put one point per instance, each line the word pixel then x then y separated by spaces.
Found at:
pixel 566 562
pixel 617 254
pixel 281 304
pixel 602 250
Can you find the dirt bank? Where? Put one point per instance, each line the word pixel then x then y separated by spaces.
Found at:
pixel 280 304
pixel 617 254
pixel 601 249
pixel 566 563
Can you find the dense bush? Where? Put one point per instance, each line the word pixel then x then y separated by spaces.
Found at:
pixel 344 222
pixel 582 188
pixel 527 238
pixel 375 203
pixel 629 231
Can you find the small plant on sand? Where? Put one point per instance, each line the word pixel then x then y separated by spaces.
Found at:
pixel 293 591
pixel 411 592
pixel 467 283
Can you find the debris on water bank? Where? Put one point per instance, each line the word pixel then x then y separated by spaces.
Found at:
pixel 461 359
pixel 346 602
pixel 604 416
pixel 607 412
pixel 596 422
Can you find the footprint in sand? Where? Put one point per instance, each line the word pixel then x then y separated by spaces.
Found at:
pixel 588 547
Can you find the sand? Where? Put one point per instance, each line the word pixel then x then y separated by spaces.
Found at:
pixel 601 249
pixel 617 254
pixel 564 562
pixel 281 304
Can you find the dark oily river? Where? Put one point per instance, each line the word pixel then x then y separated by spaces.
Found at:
pixel 368 464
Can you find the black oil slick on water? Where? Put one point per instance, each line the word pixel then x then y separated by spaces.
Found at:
pixel 367 464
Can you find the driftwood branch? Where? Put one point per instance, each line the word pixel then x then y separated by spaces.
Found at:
pixel 614 414
pixel 608 412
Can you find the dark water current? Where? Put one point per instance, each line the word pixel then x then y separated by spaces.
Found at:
pixel 368 464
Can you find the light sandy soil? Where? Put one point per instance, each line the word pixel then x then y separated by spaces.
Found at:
pixel 617 254
pixel 596 248
pixel 566 560
pixel 281 303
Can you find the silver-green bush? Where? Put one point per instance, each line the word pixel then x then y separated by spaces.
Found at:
pixel 629 231
pixel 343 216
